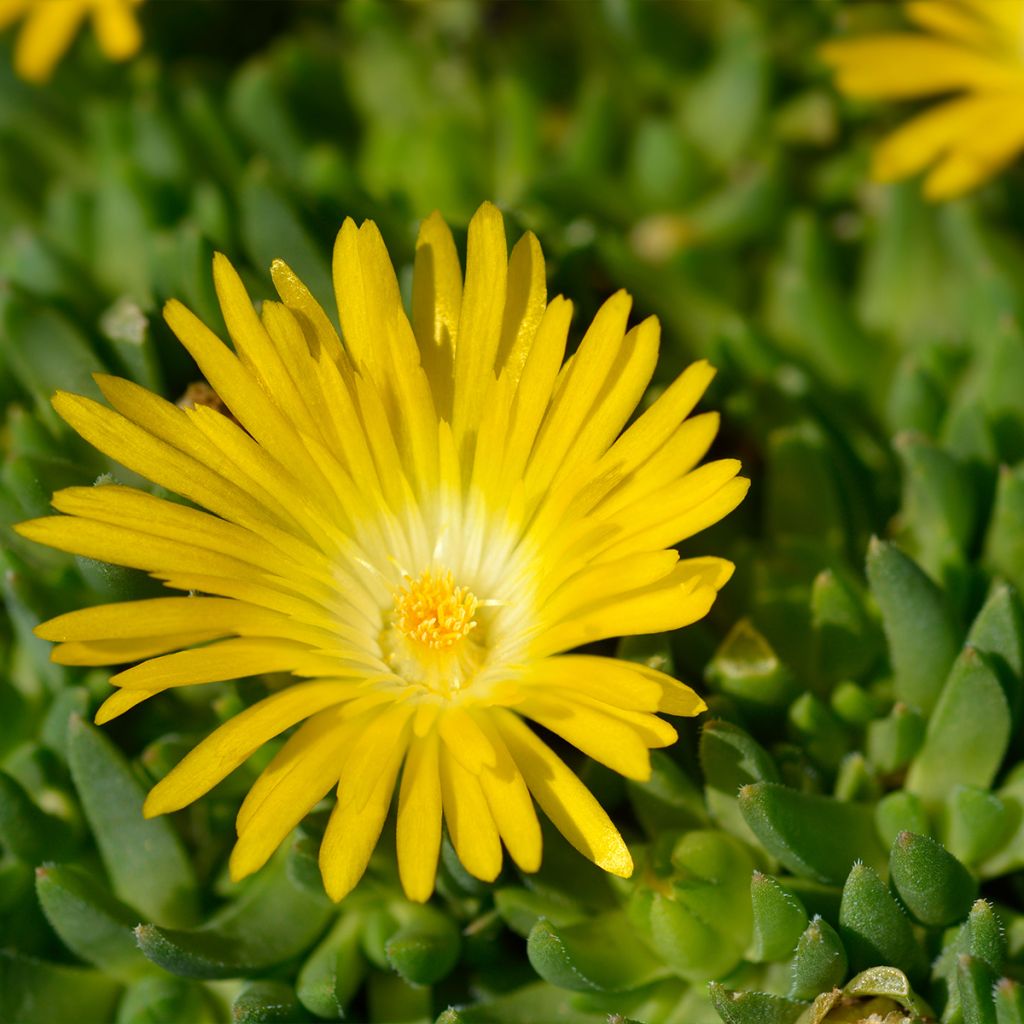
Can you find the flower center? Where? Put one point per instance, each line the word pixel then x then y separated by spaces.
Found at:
pixel 434 612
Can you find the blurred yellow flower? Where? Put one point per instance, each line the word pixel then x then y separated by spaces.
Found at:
pixel 50 27
pixel 417 521
pixel 971 48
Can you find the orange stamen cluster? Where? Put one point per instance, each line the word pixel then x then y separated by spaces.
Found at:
pixel 434 612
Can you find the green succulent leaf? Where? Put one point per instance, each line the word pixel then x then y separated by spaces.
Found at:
pixel 145 860
pixel 1009 1001
pixel 975 984
pixel 334 971
pixel 922 635
pixel 753 1007
pixel 598 955
pixel 265 1002
pixel 933 885
pixel 27 831
pixel 426 946
pixel 779 919
pixel 272 921
pixel 91 922
pixel 731 758
pixel 968 732
pixel 162 999
pixel 819 963
pixel 874 929
pixel 813 836
pixel 35 992
pixel 977 822
pixel 898 812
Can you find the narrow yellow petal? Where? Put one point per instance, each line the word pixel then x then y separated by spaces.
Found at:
pixel 611 680
pixel 464 738
pixel 564 799
pixel 355 823
pixel 598 735
pixel 306 778
pixel 48 31
pixel 120 652
pixel 118 546
pixel 121 701
pixel 509 800
pixel 654 427
pixel 480 316
pixel 524 306
pixel 916 144
pixel 227 659
pixel 117 29
pixel 436 305
pixel 418 833
pixel 905 66
pixel 237 739
pixel 315 323
pixel 152 457
pixel 535 386
pixel 620 394
pixel 468 816
pixel 249 403
pixel 573 400
pixel 606 580
pixel 153 617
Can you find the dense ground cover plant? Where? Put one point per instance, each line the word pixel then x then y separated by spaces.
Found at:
pixel 840 834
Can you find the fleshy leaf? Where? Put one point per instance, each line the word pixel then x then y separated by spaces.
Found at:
pixel 145 860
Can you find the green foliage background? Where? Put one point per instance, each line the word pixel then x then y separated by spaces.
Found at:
pixel 816 844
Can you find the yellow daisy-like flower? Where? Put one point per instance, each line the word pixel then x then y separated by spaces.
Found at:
pixel 974 49
pixel 416 522
pixel 50 27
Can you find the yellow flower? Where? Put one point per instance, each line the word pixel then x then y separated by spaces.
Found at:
pixel 50 27
pixel 973 49
pixel 415 523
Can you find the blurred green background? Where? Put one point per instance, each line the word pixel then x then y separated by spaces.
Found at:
pixel 871 378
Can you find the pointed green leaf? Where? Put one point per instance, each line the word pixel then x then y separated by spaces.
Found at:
pixel 90 921
pixel 894 740
pixel 529 1004
pixel 745 667
pixel 779 919
pixel 265 1002
pixel 967 734
pixel 847 642
pixel 1004 545
pixel 145 860
pixel 975 983
pixel 272 921
pixel 162 999
pixel 923 638
pixel 599 955
pixel 731 758
pixel 1009 1000
pixel 26 830
pixel 998 631
pixel 35 992
pixel 874 929
pixel 753 1007
pixel 933 885
pixel 897 812
pixel 334 971
pixel 819 963
pixel 426 946
pixel 814 836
